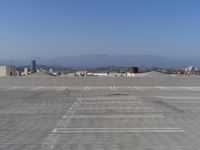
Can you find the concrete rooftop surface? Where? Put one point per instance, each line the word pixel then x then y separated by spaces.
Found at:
pixel 144 113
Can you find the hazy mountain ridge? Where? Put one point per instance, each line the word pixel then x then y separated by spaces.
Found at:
pixel 105 60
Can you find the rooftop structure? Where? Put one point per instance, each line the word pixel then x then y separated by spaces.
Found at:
pixel 133 70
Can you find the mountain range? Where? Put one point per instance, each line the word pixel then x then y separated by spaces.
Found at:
pixel 105 60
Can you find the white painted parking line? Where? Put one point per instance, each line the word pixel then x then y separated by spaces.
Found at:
pixel 189 88
pixel 121 98
pixel 64 117
pixel 118 116
pixel 168 88
pixel 11 88
pixel 183 101
pixel 113 88
pixel 193 108
pixel 113 102
pixel 61 89
pixel 37 88
pixel 117 108
pixel 164 88
pixel 51 141
pixel 177 97
pixel 117 130
pixel 138 88
pixel 87 88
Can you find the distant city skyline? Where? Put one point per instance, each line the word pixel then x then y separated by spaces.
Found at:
pixel 54 28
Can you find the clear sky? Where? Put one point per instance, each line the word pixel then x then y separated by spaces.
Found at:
pixel 51 28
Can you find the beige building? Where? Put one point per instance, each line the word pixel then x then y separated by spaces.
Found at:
pixel 7 71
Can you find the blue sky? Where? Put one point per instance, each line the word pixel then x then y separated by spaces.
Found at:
pixel 51 28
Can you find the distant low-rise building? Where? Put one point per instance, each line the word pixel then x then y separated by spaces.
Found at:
pixel 7 71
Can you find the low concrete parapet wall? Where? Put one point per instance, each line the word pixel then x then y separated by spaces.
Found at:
pixel 100 81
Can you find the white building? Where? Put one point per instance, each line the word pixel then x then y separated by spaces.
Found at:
pixel 26 72
pixel 7 71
